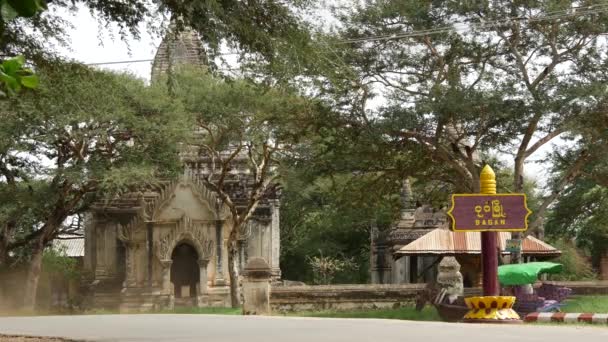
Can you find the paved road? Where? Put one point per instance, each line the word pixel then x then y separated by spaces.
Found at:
pixel 190 328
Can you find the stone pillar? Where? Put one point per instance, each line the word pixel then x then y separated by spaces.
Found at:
pixel 398 271
pixel 407 276
pixel 242 261
pixel 275 240
pixel 167 289
pixel 89 242
pixel 100 250
pixel 202 263
pixel 219 239
pixel 420 268
pixel 202 297
pixel 150 254
pixel 450 278
pixel 131 277
pixel 256 287
pixel 166 264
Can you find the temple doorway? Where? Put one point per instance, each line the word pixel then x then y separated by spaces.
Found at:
pixel 184 270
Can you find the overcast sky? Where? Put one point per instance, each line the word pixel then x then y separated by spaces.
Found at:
pixel 88 46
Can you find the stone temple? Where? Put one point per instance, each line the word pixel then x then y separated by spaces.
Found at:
pixel 167 245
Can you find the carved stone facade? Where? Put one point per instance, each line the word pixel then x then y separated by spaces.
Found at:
pixel 167 245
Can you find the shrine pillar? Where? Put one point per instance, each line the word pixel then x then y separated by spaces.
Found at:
pixel 130 270
pixel 202 264
pixel 166 276
pixel 202 297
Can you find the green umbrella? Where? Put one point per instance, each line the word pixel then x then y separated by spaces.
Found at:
pixel 521 274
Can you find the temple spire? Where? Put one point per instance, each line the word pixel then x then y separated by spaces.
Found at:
pixel 178 47
pixel 407 200
pixel 408 206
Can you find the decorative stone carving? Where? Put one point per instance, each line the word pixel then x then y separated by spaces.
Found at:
pixel 245 230
pixel 186 230
pixel 202 263
pixel 450 278
pixel 126 233
pixel 208 196
pixel 206 251
pixel 151 205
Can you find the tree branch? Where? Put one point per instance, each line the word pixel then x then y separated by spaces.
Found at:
pixel 569 176
pixel 542 141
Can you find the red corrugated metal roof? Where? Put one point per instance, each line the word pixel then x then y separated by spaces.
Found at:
pixel 442 241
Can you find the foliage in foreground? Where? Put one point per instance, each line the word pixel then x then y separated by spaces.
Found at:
pixel 56 263
pixel 582 304
pixel 576 265
pixel 582 214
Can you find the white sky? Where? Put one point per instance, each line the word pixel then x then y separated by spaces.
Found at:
pixel 88 46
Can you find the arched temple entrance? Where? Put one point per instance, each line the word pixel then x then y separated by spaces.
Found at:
pixel 185 273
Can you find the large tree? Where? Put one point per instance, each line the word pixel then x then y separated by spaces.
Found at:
pixel 259 28
pixel 83 132
pixel 464 79
pixel 581 212
pixel 240 125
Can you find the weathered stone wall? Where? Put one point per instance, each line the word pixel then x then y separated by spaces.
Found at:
pixel 584 287
pixel 342 297
pixel 377 296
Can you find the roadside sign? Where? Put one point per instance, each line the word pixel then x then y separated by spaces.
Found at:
pixel 497 213
pixel 513 245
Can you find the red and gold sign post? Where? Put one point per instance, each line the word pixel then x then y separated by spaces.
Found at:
pixel 489 213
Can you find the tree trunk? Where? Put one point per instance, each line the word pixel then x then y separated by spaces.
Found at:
pixel 3 256
pixel 5 235
pixel 233 273
pixel 33 275
pixel 518 187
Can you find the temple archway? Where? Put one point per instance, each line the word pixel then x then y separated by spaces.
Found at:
pixel 185 273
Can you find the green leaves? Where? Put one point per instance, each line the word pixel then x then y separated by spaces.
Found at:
pixel 10 9
pixel 30 81
pixel 13 76
pixel 7 12
pixel 84 134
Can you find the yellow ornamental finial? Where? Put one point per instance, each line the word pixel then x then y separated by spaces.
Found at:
pixel 487 181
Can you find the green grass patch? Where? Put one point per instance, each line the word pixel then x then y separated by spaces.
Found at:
pixel 203 311
pixel 582 304
pixel 404 313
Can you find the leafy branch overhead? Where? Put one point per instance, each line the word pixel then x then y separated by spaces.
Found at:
pixel 14 76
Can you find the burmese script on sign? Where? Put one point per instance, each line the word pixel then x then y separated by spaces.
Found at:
pixel 476 212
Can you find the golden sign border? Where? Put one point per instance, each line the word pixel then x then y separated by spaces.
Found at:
pixel 453 228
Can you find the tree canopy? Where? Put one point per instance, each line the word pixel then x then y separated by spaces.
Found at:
pixel 82 134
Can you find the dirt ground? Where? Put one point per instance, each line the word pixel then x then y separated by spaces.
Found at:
pixel 10 338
